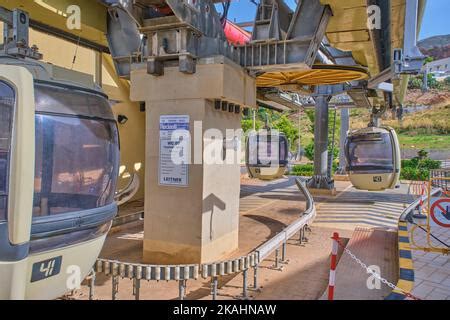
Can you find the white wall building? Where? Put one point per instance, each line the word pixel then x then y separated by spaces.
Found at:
pixel 440 68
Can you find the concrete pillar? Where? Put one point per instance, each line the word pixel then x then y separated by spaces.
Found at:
pixel 345 126
pixel 197 220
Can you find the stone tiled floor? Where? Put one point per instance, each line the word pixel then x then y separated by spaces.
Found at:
pixel 432 270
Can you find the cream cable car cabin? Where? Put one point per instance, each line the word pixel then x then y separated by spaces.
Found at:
pixel 59 161
pixel 373 158
pixel 267 154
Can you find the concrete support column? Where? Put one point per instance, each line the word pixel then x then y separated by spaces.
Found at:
pixel 345 126
pixel 192 212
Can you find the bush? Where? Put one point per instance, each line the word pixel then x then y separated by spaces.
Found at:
pixel 418 170
pixel 309 151
pixel 417 82
pixel 447 81
pixel 306 170
pixel 429 164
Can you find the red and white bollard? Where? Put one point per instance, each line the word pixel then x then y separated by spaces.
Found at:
pixel 419 213
pixel 421 195
pixel 334 252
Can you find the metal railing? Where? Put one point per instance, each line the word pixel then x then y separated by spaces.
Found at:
pixel 440 178
pixel 413 206
pixel 181 273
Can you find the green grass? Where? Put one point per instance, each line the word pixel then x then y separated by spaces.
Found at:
pixel 435 142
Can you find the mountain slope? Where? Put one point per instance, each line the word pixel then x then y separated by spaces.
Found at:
pixel 437 47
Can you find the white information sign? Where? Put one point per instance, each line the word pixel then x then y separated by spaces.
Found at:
pixel 173 147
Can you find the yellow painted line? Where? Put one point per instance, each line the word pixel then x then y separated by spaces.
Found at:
pixel 405 285
pixel 404 246
pixel 406 264
pixel 402 233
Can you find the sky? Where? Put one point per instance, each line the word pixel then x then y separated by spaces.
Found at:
pixel 435 19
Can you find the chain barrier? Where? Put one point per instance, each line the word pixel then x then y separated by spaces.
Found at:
pixel 376 275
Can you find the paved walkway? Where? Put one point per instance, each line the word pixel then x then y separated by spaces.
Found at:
pixel 355 208
pixel 265 208
pixel 432 270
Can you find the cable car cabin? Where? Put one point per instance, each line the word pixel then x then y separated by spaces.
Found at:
pixel 373 158
pixel 59 160
pixel 267 154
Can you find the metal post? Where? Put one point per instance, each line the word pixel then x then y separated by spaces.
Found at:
pixel 137 288
pixel 92 285
pixel 345 126
pixel 283 252
pixel 182 289
pixel 331 156
pixel 305 229
pixel 299 136
pixel 321 136
pixel 244 285
pixel 320 179
pixel 115 286
pixel 214 284
pixel 277 253
pixel 255 277
pixel 425 79
pixel 300 239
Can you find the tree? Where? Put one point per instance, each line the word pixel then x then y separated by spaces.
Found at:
pixel 286 126
pixel 422 154
pixel 428 60
pixel 309 151
pixel 247 124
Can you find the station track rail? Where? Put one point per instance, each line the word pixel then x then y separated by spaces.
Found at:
pixel 181 273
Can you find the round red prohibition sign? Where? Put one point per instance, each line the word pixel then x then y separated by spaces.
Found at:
pixel 440 212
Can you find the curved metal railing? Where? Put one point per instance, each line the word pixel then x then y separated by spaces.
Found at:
pixel 181 273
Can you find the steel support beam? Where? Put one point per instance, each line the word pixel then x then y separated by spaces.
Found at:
pixel 345 126
pixel 321 179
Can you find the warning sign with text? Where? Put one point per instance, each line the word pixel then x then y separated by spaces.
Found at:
pixel 174 148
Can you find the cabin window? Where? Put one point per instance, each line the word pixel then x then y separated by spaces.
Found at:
pixel 7 102
pixel 371 152
pixel 76 157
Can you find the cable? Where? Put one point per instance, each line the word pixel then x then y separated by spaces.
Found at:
pixel 76 52
pixel 433 236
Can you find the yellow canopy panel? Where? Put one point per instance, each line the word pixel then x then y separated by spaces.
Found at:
pixel 318 75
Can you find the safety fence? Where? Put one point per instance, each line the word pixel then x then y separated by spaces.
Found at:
pixel 445 164
pixel 440 178
pixel 182 273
